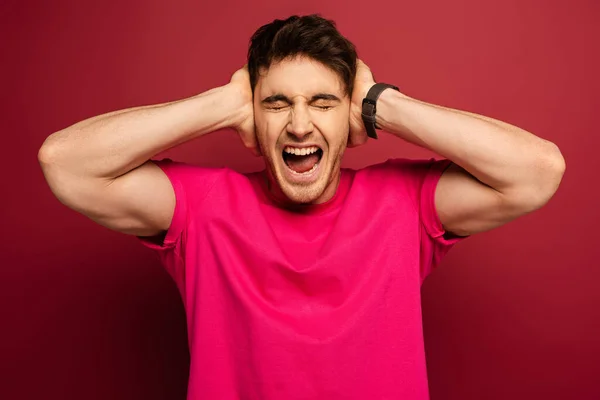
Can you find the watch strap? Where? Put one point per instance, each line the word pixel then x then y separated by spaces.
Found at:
pixel 369 107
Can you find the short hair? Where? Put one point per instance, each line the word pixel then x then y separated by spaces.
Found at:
pixel 312 36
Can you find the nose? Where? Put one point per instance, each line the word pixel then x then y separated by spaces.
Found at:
pixel 300 123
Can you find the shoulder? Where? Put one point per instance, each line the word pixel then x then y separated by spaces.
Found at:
pixel 186 170
pixel 404 170
pixel 198 186
pixel 192 177
pixel 402 177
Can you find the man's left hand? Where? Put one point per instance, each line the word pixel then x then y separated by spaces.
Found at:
pixel 362 83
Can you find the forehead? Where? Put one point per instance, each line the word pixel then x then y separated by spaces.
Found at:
pixel 299 76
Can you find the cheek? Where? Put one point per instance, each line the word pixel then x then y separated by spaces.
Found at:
pixel 336 128
pixel 270 125
pixel 339 117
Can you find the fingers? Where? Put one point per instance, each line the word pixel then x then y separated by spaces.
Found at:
pixel 250 141
pixel 256 152
pixel 256 149
pixel 355 140
pixel 361 64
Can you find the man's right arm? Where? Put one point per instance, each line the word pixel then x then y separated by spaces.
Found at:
pixel 100 166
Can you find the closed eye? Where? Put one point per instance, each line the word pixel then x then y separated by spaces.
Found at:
pixel 274 102
pixel 277 108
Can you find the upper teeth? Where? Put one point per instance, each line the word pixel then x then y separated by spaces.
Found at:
pixel 300 152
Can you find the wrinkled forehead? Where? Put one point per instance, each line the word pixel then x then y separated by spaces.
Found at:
pixel 298 77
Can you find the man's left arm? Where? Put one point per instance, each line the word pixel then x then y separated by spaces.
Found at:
pixel 499 171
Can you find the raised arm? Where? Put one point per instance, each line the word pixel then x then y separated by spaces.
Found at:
pixel 100 166
pixel 500 171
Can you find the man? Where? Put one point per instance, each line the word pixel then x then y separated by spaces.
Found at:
pixel 302 281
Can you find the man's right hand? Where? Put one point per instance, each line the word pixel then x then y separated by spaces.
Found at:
pixel 244 125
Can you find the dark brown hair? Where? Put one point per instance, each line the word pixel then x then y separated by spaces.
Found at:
pixel 310 35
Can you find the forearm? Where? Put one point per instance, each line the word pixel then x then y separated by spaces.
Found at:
pixel 498 154
pixel 113 144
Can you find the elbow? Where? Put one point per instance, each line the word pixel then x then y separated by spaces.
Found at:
pixel 48 152
pixel 56 154
pixel 48 155
pixel 554 166
pixel 550 169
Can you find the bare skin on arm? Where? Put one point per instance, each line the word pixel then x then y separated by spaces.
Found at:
pixel 100 166
pixel 499 171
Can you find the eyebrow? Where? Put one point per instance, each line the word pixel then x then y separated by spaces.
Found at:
pixel 281 97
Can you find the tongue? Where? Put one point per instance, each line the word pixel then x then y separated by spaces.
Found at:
pixel 302 164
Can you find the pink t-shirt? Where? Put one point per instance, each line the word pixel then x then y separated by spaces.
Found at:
pixel 318 303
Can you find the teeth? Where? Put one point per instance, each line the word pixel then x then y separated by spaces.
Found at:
pixel 300 152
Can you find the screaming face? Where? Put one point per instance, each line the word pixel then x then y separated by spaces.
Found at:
pixel 301 113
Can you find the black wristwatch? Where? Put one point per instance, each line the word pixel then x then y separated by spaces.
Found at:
pixel 369 108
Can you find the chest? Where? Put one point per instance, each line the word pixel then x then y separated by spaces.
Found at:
pixel 310 260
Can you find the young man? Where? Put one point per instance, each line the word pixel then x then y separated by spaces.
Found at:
pixel 302 281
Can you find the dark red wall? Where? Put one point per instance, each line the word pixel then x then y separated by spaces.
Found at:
pixel 87 313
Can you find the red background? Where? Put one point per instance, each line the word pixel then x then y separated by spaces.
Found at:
pixel 89 313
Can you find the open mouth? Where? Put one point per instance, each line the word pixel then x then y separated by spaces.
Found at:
pixel 302 161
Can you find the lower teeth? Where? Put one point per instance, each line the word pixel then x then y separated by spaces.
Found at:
pixel 306 172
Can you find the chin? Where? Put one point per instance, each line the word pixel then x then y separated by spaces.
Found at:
pixel 306 188
pixel 303 194
pixel 311 187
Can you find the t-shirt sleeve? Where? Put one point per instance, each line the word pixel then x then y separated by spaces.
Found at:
pixel 435 240
pixel 190 184
pixel 421 178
